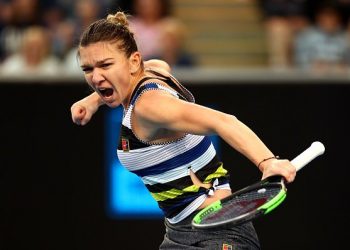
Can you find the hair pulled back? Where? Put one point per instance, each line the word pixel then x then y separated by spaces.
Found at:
pixel 114 28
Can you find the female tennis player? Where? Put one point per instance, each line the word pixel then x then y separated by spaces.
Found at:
pixel 164 135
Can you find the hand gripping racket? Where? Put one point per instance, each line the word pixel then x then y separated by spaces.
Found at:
pixel 252 201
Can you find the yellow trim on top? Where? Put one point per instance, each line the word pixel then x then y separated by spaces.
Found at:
pixel 173 193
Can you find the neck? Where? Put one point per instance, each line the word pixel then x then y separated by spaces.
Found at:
pixel 135 78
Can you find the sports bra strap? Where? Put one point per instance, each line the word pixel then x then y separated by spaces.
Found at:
pixel 138 85
pixel 176 85
pixel 171 81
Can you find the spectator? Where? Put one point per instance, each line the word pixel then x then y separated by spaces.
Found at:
pixel 34 57
pixel 22 14
pixel 86 12
pixel 61 28
pixel 344 8
pixel 323 47
pixel 283 19
pixel 147 23
pixel 5 20
pixel 173 50
pixel 158 33
pixel 64 39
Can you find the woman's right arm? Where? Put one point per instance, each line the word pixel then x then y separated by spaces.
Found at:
pixel 84 109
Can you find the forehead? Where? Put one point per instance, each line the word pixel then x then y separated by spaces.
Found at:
pixel 98 52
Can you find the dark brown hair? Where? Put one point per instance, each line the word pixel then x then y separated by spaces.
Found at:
pixel 114 28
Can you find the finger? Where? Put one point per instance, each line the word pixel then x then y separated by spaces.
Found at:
pixel 77 120
pixel 290 174
pixel 85 119
pixel 78 114
pixel 84 122
pixel 81 111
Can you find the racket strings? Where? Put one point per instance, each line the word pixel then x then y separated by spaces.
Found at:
pixel 242 204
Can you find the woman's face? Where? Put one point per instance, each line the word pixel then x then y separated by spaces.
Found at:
pixel 108 71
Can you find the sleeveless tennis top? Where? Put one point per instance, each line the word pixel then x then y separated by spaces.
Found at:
pixel 164 167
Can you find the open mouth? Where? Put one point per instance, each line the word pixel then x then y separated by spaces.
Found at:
pixel 106 92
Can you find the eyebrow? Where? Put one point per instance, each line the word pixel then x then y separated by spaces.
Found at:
pixel 97 63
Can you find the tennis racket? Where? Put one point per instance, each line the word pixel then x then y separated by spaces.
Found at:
pixel 253 201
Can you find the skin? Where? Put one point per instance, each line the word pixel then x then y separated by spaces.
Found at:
pixel 160 117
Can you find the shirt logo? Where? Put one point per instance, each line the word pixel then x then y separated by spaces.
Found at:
pixel 226 247
pixel 125 145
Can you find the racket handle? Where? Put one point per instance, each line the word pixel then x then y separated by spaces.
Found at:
pixel 316 149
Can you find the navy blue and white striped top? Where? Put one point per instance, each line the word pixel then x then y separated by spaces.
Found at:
pixel 164 168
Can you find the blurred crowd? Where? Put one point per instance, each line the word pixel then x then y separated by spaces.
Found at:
pixel 40 36
pixel 308 35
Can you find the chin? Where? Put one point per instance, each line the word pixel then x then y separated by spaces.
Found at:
pixel 113 104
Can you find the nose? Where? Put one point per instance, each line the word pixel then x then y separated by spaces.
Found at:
pixel 97 77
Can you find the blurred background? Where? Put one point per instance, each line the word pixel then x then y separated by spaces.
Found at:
pixel 40 37
pixel 282 67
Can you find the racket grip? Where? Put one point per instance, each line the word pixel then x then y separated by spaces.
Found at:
pixel 316 149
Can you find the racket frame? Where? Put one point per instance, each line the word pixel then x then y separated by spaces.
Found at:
pixel 316 149
pixel 272 181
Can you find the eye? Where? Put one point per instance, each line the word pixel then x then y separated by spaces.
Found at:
pixel 106 65
pixel 86 69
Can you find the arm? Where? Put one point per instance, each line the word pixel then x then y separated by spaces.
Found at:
pixel 83 110
pixel 156 110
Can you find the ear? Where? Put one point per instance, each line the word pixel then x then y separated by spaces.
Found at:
pixel 135 62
